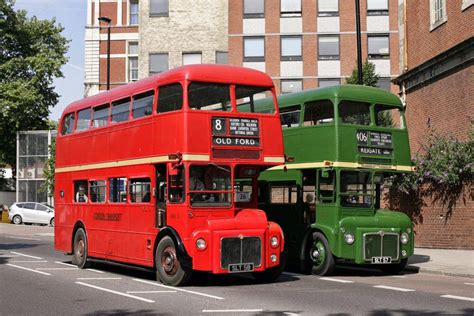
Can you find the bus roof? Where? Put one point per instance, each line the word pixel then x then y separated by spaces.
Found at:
pixel 202 72
pixel 346 92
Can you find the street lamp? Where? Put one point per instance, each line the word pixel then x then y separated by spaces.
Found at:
pixel 359 44
pixel 107 20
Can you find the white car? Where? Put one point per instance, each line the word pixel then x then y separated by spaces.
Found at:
pixel 31 212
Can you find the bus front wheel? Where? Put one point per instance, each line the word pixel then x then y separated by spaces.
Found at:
pixel 168 268
pixel 80 249
pixel 321 255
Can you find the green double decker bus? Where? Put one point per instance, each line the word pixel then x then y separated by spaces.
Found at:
pixel 342 142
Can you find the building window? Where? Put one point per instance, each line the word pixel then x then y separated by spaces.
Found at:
pixel 466 4
pixel 159 8
pixel 290 8
pixel 377 7
pixel 254 9
pixel 289 86
pixel 384 83
pixel 290 48
pixel 133 18
pixel 328 8
pixel 437 13
pixel 328 47
pixel 254 49
pixel 329 82
pixel 192 58
pixel 222 57
pixel 158 63
pixel 378 46
pixel 132 61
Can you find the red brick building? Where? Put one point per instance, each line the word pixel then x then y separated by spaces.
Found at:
pixel 438 88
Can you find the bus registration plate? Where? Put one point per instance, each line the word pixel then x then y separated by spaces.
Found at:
pixel 240 267
pixel 381 260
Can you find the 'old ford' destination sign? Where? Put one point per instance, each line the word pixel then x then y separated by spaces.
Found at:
pixel 234 131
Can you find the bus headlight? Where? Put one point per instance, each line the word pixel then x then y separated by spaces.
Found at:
pixel 274 241
pixel 349 238
pixel 201 244
pixel 273 258
pixel 404 238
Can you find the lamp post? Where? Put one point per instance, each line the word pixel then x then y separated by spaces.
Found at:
pixel 107 20
pixel 359 40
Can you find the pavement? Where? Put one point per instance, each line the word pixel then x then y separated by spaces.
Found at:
pixel 452 262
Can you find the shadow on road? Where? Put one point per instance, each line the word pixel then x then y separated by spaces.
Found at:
pixel 146 312
pixel 5 255
pixel 418 259
pixel 405 312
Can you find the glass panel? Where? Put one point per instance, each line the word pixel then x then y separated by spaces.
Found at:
pixel 176 186
pixel 290 116
pixel 97 191
pixel 378 45
pixel 158 63
pixel 68 124
pixel 221 57
pixel 290 6
pixel 118 190
pixel 132 68
pixel 133 12
pixel 170 98
pixel 387 116
pixel 318 113
pixel 81 194
pixel 143 104
pixel 353 112
pixel 243 189
pixel 328 47
pixel 209 96
pixel 357 189
pixel 323 83
pixel 83 119
pixel 328 6
pixel 247 95
pixel 291 47
pixel 384 83
pixel 41 207
pixel 283 194
pixel 254 48
pixel 159 7
pixel 100 116
pixel 254 7
pixel 133 48
pixel 140 190
pixel 290 86
pixel 377 4
pixel 120 110
pixel 192 58
pixel 210 185
pixel 326 179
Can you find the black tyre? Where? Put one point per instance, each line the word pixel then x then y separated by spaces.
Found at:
pixel 51 222
pixel 17 220
pixel 320 255
pixel 394 268
pixel 168 268
pixel 272 274
pixel 79 256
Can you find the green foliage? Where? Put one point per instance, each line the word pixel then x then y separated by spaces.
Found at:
pixel 49 169
pixel 444 172
pixel 32 52
pixel 369 76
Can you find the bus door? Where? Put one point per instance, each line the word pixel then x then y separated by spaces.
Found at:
pixel 326 208
pixel 160 194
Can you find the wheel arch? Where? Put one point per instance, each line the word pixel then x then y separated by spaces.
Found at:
pixel 325 231
pixel 183 256
pixel 79 224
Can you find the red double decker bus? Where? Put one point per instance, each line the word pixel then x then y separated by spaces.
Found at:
pixel 162 173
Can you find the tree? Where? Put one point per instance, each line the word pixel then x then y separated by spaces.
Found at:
pixel 32 52
pixel 369 76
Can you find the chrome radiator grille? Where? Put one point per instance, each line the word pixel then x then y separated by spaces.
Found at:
pixel 381 244
pixel 236 250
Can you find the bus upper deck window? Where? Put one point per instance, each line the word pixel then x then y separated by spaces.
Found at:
pixel 170 98
pixel 353 112
pixel 83 119
pixel 247 96
pixel 388 116
pixel 68 124
pixel 100 116
pixel 142 104
pixel 209 96
pixel 290 116
pixel 318 113
pixel 120 110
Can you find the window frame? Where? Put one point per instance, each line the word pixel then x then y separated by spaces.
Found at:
pixel 196 53
pixel 327 80
pixel 307 108
pixel 434 22
pixel 119 102
pixel 378 55
pixel 150 72
pixel 253 58
pixel 135 96
pixel 68 128
pixel 290 13
pixel 289 80
pixel 76 129
pixel 129 193
pixel 329 56
pixel 110 191
pixel 291 57
pixel 378 11
pixel 159 14
pixel 130 14
pixel 97 186
pixel 259 15
pixel 328 13
pixel 287 187
pixel 226 57
pixel 159 96
pixel 100 107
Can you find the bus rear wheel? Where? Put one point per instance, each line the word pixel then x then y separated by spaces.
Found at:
pixel 168 268
pixel 321 255
pixel 80 249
